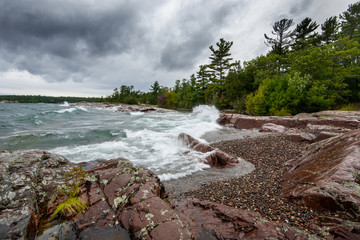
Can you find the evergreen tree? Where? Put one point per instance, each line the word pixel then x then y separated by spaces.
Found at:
pixel 350 25
pixel 154 92
pixel 220 60
pixel 330 30
pixel 202 81
pixel 116 95
pixel 281 30
pixel 302 33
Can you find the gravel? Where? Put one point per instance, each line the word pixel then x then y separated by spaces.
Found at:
pixel 260 190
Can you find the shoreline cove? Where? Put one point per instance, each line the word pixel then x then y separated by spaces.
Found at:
pixel 255 200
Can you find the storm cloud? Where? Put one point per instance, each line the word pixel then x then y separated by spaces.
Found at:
pixel 99 45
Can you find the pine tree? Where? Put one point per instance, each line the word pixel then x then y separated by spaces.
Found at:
pixel 302 33
pixel 281 30
pixel 220 60
pixel 330 30
pixel 350 25
pixel 154 92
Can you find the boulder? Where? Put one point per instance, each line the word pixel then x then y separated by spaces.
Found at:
pixel 327 175
pixel 116 193
pixel 121 194
pixel 214 157
pixel 27 184
pixel 271 127
pixel 300 135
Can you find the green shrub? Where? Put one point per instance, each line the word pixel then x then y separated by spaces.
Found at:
pixel 70 192
pixel 282 112
pixel 348 107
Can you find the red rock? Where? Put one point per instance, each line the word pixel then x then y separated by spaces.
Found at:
pixel 215 158
pixel 300 121
pixel 217 221
pixel 171 230
pixel 271 127
pixel 299 135
pixel 327 175
pixel 121 194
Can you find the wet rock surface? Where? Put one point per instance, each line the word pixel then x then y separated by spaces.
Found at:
pixel 327 175
pixel 215 158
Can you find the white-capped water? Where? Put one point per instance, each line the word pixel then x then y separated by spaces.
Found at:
pixel 83 134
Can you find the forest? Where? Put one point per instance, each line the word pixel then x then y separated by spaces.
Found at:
pixel 309 67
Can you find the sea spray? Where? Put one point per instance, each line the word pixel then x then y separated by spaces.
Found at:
pixel 83 134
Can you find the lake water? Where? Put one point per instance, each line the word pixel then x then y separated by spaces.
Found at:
pixel 83 134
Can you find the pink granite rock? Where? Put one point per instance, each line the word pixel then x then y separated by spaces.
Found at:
pixel 327 175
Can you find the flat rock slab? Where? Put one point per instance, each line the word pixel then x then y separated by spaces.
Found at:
pixel 209 220
pixel 327 175
pixel 343 122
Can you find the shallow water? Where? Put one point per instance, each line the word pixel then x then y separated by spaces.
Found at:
pixel 84 134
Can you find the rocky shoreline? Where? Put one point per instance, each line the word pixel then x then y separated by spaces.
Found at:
pixel 305 186
pixel 261 190
pixel 117 107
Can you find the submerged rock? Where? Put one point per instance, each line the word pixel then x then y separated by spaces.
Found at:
pixel 327 175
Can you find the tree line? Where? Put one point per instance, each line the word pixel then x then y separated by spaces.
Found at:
pixel 310 67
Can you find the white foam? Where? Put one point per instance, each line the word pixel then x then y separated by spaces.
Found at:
pixel 137 113
pixel 151 141
pixel 66 110
pixel 82 108
pixel 69 110
pixel 65 104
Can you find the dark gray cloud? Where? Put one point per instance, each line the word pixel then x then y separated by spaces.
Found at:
pixel 53 38
pixel 103 44
pixel 300 6
pixel 58 27
pixel 198 29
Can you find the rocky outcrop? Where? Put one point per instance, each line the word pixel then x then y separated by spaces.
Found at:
pixel 122 107
pixel 116 193
pixel 327 175
pixel 123 201
pixel 302 127
pixel 215 157
pixel 340 122
pixel 27 184
pixel 121 193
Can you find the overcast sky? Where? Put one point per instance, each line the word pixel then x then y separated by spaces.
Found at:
pixel 89 47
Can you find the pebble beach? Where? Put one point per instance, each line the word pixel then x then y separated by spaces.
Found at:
pixel 260 190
